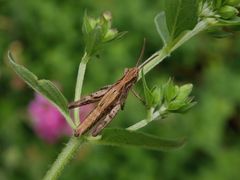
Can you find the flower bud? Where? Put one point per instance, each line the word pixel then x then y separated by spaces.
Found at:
pixel 177 98
pixel 111 34
pixel 184 92
pixel 228 12
pixel 233 2
pixel 157 96
pixel 107 15
pixel 98 31
pixel 170 91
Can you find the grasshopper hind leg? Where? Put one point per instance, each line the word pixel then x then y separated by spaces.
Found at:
pixel 107 119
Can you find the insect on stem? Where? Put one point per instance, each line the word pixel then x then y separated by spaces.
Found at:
pixel 109 101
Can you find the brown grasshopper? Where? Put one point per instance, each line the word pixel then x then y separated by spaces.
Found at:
pixel 110 100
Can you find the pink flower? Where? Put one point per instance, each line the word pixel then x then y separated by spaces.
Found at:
pixel 48 122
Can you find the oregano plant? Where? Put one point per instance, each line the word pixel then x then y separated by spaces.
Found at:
pixel 179 21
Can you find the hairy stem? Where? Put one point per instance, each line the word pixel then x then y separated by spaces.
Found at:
pixel 63 158
pixel 74 143
pixel 79 83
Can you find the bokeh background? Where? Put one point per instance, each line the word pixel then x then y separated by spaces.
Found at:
pixel 45 36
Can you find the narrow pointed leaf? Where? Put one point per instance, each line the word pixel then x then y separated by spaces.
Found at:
pixel 231 22
pixel 44 87
pixel 125 138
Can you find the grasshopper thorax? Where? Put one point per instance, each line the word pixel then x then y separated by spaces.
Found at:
pixel 131 75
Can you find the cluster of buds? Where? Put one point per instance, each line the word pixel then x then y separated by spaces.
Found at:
pixel 98 31
pixel 168 97
pixel 229 9
pixel 176 98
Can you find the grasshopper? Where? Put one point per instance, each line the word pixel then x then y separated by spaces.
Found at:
pixel 110 100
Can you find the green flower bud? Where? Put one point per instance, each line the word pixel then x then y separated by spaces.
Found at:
pixel 233 2
pixel 184 92
pixel 175 105
pixel 98 31
pixel 170 91
pixel 228 12
pixel 177 98
pixel 157 96
pixel 111 34
pixel 107 15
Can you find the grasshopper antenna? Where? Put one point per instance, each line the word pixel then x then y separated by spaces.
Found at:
pixel 142 52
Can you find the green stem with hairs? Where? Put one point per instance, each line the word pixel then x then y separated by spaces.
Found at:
pixel 79 84
pixel 74 143
pixel 64 157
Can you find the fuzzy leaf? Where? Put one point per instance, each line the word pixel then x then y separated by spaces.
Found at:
pixel 44 87
pixel 181 15
pixel 122 137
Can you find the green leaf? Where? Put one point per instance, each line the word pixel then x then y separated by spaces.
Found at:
pixel 93 40
pixel 181 15
pixel 86 27
pixel 219 32
pixel 157 96
pixel 217 3
pixel 161 25
pixel 44 87
pixel 122 137
pixel 175 105
pixel 230 22
pixel 147 92
pixel 186 107
pixel 170 90
pixel 234 3
pixel 184 92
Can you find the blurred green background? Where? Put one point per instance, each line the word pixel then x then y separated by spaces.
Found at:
pixel 46 37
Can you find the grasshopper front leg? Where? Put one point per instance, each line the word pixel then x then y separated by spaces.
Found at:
pixel 92 98
pixel 107 119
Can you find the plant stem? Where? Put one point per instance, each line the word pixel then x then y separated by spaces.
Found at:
pixel 143 122
pixel 160 55
pixel 63 158
pixel 74 143
pixel 150 114
pixel 79 83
